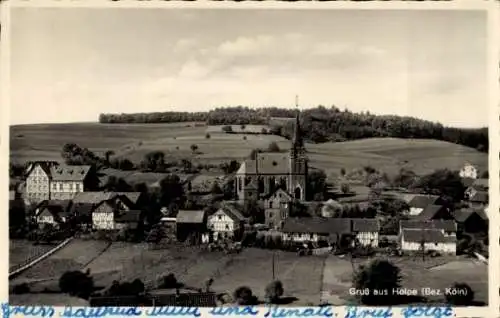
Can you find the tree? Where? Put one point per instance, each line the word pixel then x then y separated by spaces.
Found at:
pixel 227 129
pixel 442 182
pixel 274 291
pixel 171 189
pixel 244 296
pixel 169 281
pixel 108 154
pixel 243 126
pixel 463 297
pixel 345 188
pixel 216 189
pixel 273 147
pixel 316 183
pixel 194 148
pixel 207 136
pixel 342 172
pixel 485 175
pixel 155 161
pixel 77 283
pixel 377 275
pixel 208 284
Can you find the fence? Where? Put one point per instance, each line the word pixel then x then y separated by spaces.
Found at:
pixel 36 259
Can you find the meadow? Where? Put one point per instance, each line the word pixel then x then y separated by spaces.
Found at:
pixel 133 141
pixel 307 280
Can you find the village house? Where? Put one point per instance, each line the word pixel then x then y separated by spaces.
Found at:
pixel 128 220
pixel 468 171
pixel 226 223
pixel 53 212
pixel 419 202
pixel 272 170
pixel 108 209
pixel 191 224
pixel 331 230
pixel 49 180
pixel 472 220
pixel 277 208
pixel 427 239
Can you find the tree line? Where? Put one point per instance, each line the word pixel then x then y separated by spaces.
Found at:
pixel 320 124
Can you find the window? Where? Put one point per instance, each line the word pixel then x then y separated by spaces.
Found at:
pixel 227 227
pixel 77 187
pixel 270 215
pixel 270 204
pixel 60 186
pixel 220 217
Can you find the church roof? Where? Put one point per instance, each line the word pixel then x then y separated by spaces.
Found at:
pixel 266 163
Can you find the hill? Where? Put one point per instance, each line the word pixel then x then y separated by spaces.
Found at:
pixel 133 141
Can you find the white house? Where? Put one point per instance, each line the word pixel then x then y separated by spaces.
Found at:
pixel 105 214
pixel 53 212
pixel 427 240
pixel 367 231
pixel 227 222
pixel 468 171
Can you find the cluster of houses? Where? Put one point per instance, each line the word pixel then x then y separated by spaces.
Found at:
pixel 63 194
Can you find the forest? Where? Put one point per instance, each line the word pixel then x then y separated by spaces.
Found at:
pixel 320 124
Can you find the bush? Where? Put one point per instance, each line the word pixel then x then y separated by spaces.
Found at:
pixel 207 136
pixel 21 289
pixel 274 291
pixel 243 296
pixel 169 281
pixel 379 275
pixel 77 284
pixel 464 297
pixel 244 137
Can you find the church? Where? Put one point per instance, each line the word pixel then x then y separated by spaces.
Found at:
pixel 268 171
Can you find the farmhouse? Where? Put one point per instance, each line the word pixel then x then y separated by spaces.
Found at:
pixel 227 222
pixel 427 240
pixel 332 230
pixel 277 170
pixel 50 180
pixel 420 202
pixel 191 224
pixel 53 212
pixel 479 185
pixel 277 208
pixel 107 212
pixel 479 198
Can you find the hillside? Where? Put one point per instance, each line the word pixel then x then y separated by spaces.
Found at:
pixel 133 141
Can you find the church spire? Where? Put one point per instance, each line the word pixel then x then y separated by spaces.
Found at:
pixel 297 141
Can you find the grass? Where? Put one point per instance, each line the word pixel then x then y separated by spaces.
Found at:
pixel 133 141
pixel 22 250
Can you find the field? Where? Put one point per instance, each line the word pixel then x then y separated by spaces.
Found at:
pixel 307 280
pixel 22 250
pixel 133 141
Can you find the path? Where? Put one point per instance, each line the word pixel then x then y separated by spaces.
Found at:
pixel 335 268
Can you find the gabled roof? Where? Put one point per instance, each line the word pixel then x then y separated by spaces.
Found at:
pixel 93 197
pixel 187 216
pixel 266 163
pixel 317 225
pixel 482 183
pixel 464 214
pixel 231 211
pixel 57 208
pixel 365 225
pixel 480 197
pixel 253 185
pixel 82 209
pixel 69 173
pixel 421 201
pixel 467 182
pixel 429 212
pixel 446 225
pixel 130 216
pixel 45 165
pixel 64 204
pixel 132 196
pixel 426 235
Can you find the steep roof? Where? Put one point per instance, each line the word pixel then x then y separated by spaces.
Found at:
pixel 231 211
pixel 429 212
pixel 82 209
pixel 421 201
pixel 266 163
pixel 446 225
pixel 427 235
pixel 365 225
pixel 463 215
pixel 480 197
pixel 130 216
pixel 317 225
pixel 253 185
pixel 69 173
pixel 93 197
pixel 482 183
pixel 187 216
pixel 132 196
pixel 63 204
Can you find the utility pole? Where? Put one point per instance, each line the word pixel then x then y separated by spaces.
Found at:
pixel 273 265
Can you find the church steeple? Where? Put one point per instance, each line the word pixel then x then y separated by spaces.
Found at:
pixel 297 141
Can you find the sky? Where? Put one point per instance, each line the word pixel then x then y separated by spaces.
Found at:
pixel 71 64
